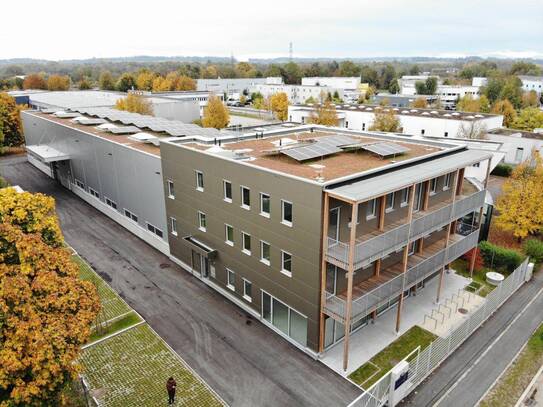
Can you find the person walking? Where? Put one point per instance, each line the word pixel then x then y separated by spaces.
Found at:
pixel 170 387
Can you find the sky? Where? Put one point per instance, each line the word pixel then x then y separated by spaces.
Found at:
pixel 254 29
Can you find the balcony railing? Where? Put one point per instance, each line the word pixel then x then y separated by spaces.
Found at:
pixel 424 222
pixel 373 299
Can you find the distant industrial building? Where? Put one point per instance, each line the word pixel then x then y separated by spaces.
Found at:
pixel 401 100
pixel 230 86
pixel 423 122
pixel 534 83
pixel 300 93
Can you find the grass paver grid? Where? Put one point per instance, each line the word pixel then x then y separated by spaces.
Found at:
pixel 131 369
pixel 112 304
pixel 518 376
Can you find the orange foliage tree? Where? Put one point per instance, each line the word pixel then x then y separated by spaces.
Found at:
pixel 58 82
pixel 34 81
pixel 45 309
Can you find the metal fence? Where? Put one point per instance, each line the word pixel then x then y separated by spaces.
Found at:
pixel 368 302
pixel 372 249
pixel 431 357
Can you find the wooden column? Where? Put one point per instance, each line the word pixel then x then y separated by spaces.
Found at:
pixel 377 267
pixel 426 199
pixel 382 203
pixel 459 182
pixel 350 272
pixel 447 237
pixel 405 256
pixel 325 224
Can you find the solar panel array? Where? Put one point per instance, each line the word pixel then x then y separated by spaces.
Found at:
pixel 321 147
pixel 91 122
pixel 386 149
pixel 171 127
pixel 124 130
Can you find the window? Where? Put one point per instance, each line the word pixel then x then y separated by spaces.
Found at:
pixel 371 209
pixel 476 165
pixel 265 252
pixel 286 212
pixel 130 215
pixel 422 132
pixel 230 279
pixel 109 202
pixel 286 263
pixel 413 247
pixel 519 154
pixel 199 180
pixel 154 229
pixel 246 243
pixel 405 197
pixel 265 205
pixel 227 188
pixel 94 193
pixel 79 184
pixel 417 205
pixel 171 191
pixel 284 318
pixel 446 134
pixel 433 186
pixel 247 290
pixel 389 202
pixel 363 126
pixel 173 225
pixel 229 235
pixel 346 124
pixel 245 198
pixel 202 221
pixel 447 181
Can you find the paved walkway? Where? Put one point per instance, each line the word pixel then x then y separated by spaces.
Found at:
pixel 370 340
pixel 467 375
pixel 241 359
pixel 533 395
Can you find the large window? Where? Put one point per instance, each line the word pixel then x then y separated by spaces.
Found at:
pixel 433 186
pixel 230 279
pixel 265 205
pixel 371 209
pixel 154 229
pixel 286 263
pixel 519 154
pixel 94 193
pixel 171 190
pixel 265 252
pixel 130 215
pixel 111 203
pixel 284 318
pixel 247 290
pixel 227 189
pixel 229 235
pixel 286 212
pixel 245 198
pixel 173 225
pixel 202 223
pixel 79 184
pixel 389 202
pixel 199 180
pixel 405 197
pixel 447 181
pixel 246 243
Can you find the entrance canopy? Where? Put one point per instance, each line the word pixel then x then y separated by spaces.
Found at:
pixel 200 247
pixel 47 154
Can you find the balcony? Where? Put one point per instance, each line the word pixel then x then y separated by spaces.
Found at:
pixel 373 246
pixel 376 291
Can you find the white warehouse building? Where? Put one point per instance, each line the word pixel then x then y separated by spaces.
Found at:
pixel 346 83
pixel 532 83
pixel 423 122
pixel 299 93
pixel 230 86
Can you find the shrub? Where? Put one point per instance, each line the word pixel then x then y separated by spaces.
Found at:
pixel 499 258
pixel 479 263
pixel 503 170
pixel 534 249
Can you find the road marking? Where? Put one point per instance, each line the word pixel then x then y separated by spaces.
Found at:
pixel 488 349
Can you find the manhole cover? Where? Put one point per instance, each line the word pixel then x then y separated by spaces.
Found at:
pixel 462 310
pixel 164 265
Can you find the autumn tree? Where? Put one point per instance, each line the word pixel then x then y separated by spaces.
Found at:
pixel 469 104
pixel 245 70
pixel 279 105
pixel 419 103
pixel 325 114
pixel 58 82
pixel 46 310
pixel 505 108
pixel 530 99
pixel 126 82
pixel 210 72
pixel 105 81
pixel 84 84
pixel 11 129
pixel 528 119
pixel 161 84
pixel 134 103
pixel 215 113
pixel 144 80
pixel 185 83
pixel 34 81
pixel 519 207
pixel 386 120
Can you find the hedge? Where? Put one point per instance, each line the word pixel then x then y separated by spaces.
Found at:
pixel 502 170
pixel 534 249
pixel 499 258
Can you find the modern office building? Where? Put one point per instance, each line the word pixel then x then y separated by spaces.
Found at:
pixel 299 93
pixel 346 83
pixel 317 231
pixel 517 144
pixel 231 86
pixel 530 83
pixel 424 122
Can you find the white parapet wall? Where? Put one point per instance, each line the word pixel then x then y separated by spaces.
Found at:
pixel 45 168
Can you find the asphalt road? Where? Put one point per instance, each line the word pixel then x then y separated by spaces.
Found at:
pixel 468 374
pixel 244 361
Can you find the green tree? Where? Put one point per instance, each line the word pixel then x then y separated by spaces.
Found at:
pixel 420 87
pixel 528 119
pixel 292 73
pixel 84 84
pixel 126 82
pixel 394 87
pixel 431 85
pixel 369 75
pixel 525 68
pixel 388 74
pixel 349 68
pixel 512 91
pixel 106 82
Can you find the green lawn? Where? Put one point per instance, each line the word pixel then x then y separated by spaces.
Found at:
pixel 131 369
pixel 515 380
pixel 124 322
pixel 370 372
pixel 112 304
pixel 482 288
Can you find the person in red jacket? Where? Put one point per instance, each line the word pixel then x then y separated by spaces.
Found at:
pixel 170 387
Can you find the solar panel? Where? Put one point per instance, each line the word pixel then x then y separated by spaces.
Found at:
pixel 91 122
pixel 386 149
pixel 124 130
pixel 321 147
